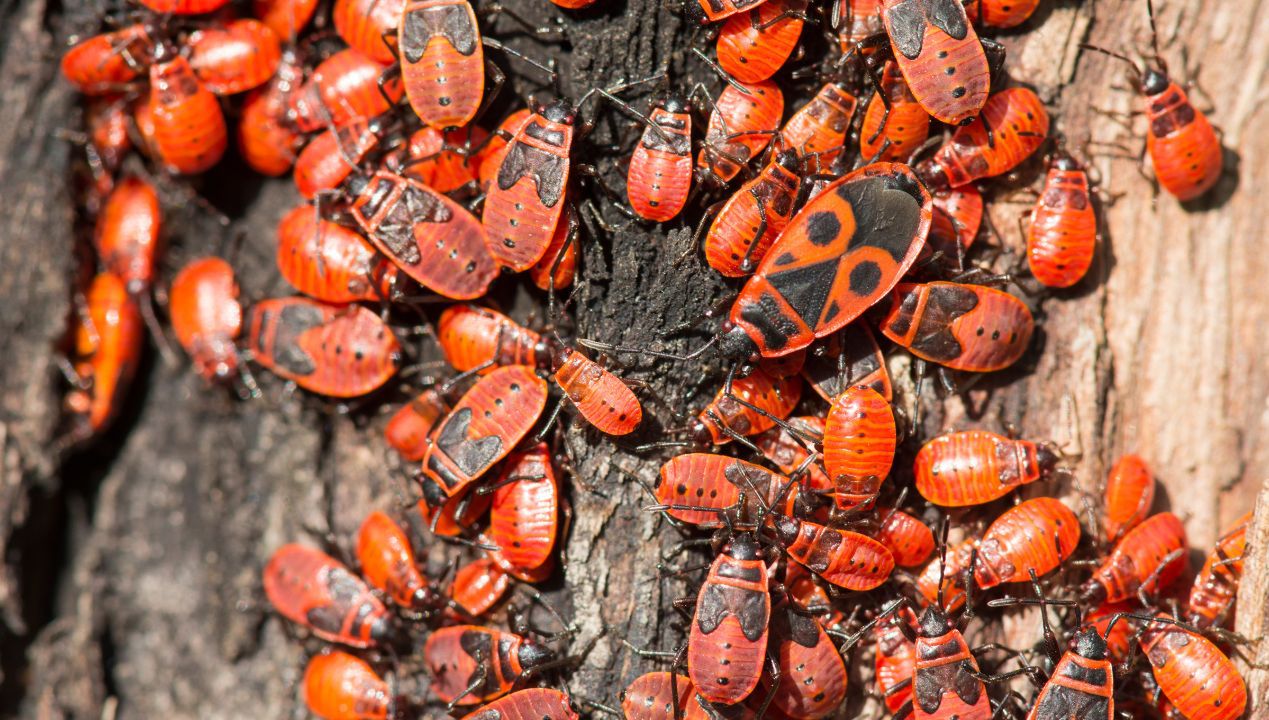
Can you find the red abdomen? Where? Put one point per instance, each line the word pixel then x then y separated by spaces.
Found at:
pixel 442 61
pixel 1183 146
pixel 1063 232
pixel 973 467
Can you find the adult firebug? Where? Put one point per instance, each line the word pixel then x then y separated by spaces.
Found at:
pixel 312 589
pixel 959 326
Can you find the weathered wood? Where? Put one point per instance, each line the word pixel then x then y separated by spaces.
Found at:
pixel 158 609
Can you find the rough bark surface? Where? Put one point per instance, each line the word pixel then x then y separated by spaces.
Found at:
pixel 130 579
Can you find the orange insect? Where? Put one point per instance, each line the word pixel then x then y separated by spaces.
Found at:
pixel 190 134
pixel 942 684
pixel 339 686
pixel 108 340
pixel 1147 559
pixel 651 696
pixel 338 351
pixel 958 214
pixel 1118 637
pixel 108 139
pixel 328 159
pixel 819 127
pixel 1012 125
pixel 753 46
pixel 127 233
pixel 910 540
pixel 327 261
pixel 844 558
pixel 367 26
pixel 1193 673
pixel 1036 535
pixel 310 588
pixel 896 658
pixel 344 87
pixel 785 451
pixel 286 18
pixel 855 21
pixel 266 140
pixel 485 425
pixel 235 57
pixel 727 644
pixel 526 201
pixel 1216 586
pixel 847 358
pixel 972 467
pixel 740 127
pixel 753 217
pixel 843 252
pixel 387 563
pixel 952 569
pixel 524 516
pixel 531 703
pixel 1129 495
pixel 479 585
pixel 471 664
pixel 108 62
pixel 859 443
pixel 598 395
pixel 961 327
pixel 439 161
pixel 436 241
pixel 660 174
pixel 206 316
pixel 1001 14
pixel 1063 231
pixel 477 338
pixel 407 430
pixel 940 56
pixel 703 12
pixel 724 418
pixel 812 675
pixel 700 488
pixel 558 267
pixel 442 61
pixel 184 7
pixel 490 158
pixel 895 124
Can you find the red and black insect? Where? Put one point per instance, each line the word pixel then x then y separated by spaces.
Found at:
pixel 846 559
pixel 1184 148
pixel 1192 672
pixel 740 127
pixel 845 359
pixel 558 267
pixel 833 261
pixel 338 351
pixel 108 339
pixel 127 233
pixel 524 516
pixel 699 488
pixel 234 57
pixel 387 563
pixel 753 46
pixel 895 664
pixel 339 685
pixel 950 568
pixel 651 697
pixel 959 326
pixel 108 62
pixel 310 588
pixel 490 157
pixel 731 413
pixel 471 664
pixel 328 159
pixel 958 214
pixel 544 703
pixel 812 681
pixel 206 316
pixel 370 26
pixel 526 201
pixel 1012 125
pixel 1035 536
pixel 727 645
pixel 1128 496
pixel 910 540
pixel 972 467
pixel 436 241
pixel 859 443
pixel 819 127
pixel 190 134
pixel 438 159
pixel 1063 231
pixel 266 140
pixel 942 59
pixel 344 87
pixel 789 453
pixel 479 585
pixel 477 338
pixel 408 428
pixel 660 175
pixel 1215 587
pixel 330 262
pixel 485 425
pixel 442 61
pixel 704 12
pixel 753 217
pixel 946 683
pixel 895 124
pixel 855 21
pixel 108 139
pixel 1146 560
pixel 1000 13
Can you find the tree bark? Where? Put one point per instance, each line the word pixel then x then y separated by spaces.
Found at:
pixel 131 578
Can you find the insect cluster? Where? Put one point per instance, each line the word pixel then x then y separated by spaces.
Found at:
pixel 855 213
